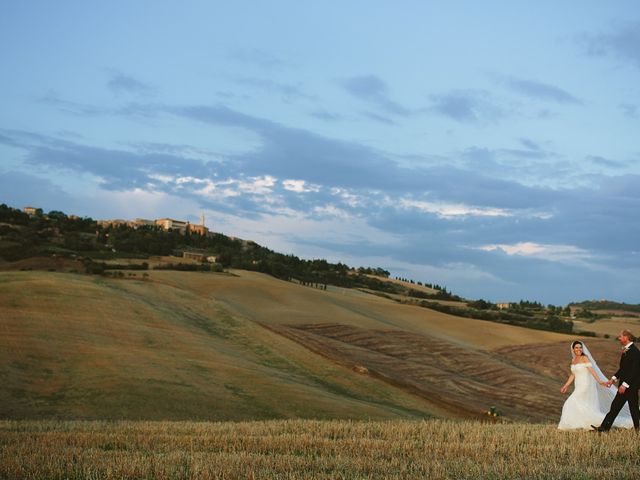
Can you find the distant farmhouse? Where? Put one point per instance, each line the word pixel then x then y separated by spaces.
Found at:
pixel 32 211
pixel 198 255
pixel 503 305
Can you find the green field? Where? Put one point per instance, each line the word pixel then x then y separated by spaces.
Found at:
pixel 310 449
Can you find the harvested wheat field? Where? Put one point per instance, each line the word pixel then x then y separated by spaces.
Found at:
pixel 611 326
pixel 76 346
pixel 246 346
pixel 310 449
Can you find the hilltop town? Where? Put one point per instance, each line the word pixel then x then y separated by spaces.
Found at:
pixel 164 223
pixel 181 226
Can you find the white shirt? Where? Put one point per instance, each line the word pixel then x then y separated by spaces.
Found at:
pixel 624 384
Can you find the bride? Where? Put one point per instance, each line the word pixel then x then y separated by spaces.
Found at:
pixel 589 403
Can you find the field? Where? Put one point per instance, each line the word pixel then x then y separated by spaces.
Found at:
pixel 201 375
pixel 245 346
pixel 612 325
pixel 310 449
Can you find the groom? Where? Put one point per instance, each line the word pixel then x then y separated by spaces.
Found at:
pixel 628 376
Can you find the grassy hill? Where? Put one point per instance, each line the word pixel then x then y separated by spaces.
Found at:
pixel 244 345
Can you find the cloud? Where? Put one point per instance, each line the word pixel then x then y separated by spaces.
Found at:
pixel 541 91
pixel 605 162
pixel 117 169
pixel 379 118
pixel 299 186
pixel 131 109
pixel 530 150
pixel 526 162
pixel 630 110
pixel 438 213
pixel 365 87
pixel 554 253
pixel 289 152
pixel 448 210
pixel 327 116
pixel 287 92
pixel 286 152
pixel 259 185
pixel 119 83
pixel 623 42
pixel 179 150
pixel 467 106
pixel 374 91
pixel 23 189
pixel 51 98
pixel 331 211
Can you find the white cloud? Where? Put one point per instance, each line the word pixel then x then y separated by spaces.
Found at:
pixel 554 253
pixel 300 186
pixel 181 180
pixel 137 203
pixel 347 197
pixel 230 187
pixel 448 210
pixel 258 185
pixel 162 178
pixel 332 211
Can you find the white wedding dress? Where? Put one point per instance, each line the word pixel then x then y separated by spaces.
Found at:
pixel 590 402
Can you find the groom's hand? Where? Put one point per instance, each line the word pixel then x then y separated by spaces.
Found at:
pixel 622 389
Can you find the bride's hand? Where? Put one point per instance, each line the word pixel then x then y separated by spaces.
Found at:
pixel 564 389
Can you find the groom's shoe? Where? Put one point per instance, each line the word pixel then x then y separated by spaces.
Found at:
pixel 599 429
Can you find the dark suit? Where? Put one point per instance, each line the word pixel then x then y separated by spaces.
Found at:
pixel 629 373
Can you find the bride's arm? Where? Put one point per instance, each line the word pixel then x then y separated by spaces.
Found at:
pixel 595 375
pixel 566 385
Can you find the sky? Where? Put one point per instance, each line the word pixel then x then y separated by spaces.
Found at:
pixel 490 147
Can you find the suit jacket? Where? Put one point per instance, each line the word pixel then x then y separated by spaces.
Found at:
pixel 629 370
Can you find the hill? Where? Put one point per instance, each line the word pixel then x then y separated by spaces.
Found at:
pixel 57 242
pixel 605 317
pixel 245 345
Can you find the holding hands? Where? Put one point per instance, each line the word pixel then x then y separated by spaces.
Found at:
pixel 606 384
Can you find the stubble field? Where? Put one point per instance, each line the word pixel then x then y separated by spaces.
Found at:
pixel 286 449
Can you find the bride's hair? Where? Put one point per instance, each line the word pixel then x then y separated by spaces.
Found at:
pixel 577 342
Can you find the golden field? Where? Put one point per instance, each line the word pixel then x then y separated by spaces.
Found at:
pixel 183 375
pixel 294 449
pixel 246 346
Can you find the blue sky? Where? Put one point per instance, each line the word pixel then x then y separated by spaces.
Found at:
pixel 492 147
